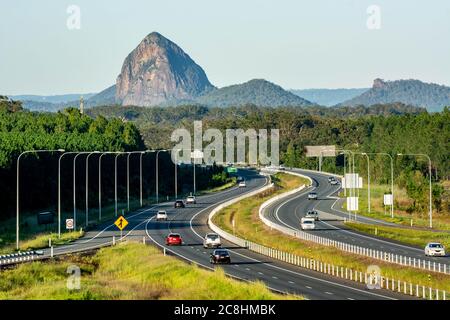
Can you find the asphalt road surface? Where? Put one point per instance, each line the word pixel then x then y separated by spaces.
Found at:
pixel 191 223
pixel 288 212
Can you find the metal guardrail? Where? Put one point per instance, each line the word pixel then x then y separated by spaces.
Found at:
pixel 394 285
pixel 349 248
pixel 13 258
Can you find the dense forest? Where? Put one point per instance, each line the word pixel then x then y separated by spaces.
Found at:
pixel 392 128
pixel 21 130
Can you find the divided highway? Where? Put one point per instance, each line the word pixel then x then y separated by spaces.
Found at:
pixel 191 223
pixel 288 212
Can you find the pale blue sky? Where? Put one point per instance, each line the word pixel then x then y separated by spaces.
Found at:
pixel 296 44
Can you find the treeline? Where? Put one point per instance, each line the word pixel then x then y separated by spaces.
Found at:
pixel 22 130
pixel 393 128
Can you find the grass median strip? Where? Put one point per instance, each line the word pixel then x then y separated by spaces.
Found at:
pixel 247 225
pixel 127 271
pixel 413 237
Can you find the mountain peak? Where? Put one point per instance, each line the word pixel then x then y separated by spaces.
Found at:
pixel 411 92
pixel 157 71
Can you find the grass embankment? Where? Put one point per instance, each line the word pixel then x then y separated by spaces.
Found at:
pixel 249 226
pixel 225 186
pixel 441 221
pixel 127 271
pixel 410 236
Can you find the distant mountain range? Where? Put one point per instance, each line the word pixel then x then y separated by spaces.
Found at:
pixel 432 96
pixel 159 73
pixel 328 97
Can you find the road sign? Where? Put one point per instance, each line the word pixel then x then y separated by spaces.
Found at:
pixel 388 200
pixel 352 180
pixel 69 224
pixel 352 203
pixel 121 223
pixel 320 151
pixel 231 170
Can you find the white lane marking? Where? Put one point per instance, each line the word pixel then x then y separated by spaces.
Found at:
pixel 346 231
pixel 350 299
pixel 248 269
pixel 274 277
pixel 260 273
pixel 196 262
pixel 291 282
pixel 290 271
pixel 328 293
pixel 308 287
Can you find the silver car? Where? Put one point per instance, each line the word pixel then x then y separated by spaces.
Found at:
pixel 211 240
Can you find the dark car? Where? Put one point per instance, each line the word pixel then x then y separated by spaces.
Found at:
pixel 220 256
pixel 179 204
pixel 174 239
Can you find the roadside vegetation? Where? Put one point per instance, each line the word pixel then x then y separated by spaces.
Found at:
pixel 247 225
pixel 403 213
pixel 413 237
pixel 127 271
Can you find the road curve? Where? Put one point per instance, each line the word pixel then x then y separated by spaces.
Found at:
pixel 288 212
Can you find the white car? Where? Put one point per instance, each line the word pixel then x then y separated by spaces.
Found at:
pixel 242 184
pixel 334 182
pixel 434 249
pixel 191 199
pixel 212 240
pixel 161 215
pixel 307 224
pixel 312 196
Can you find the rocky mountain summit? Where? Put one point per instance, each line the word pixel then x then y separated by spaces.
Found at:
pixel 157 71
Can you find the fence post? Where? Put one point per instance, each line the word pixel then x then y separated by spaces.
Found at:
pixel 51 251
pixel 114 240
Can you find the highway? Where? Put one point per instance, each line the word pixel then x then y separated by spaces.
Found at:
pixel 191 221
pixel 288 212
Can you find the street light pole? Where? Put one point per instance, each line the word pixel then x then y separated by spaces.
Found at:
pixel 429 176
pixel 368 180
pixel 18 188
pixel 157 174
pixel 59 190
pixel 87 186
pixel 74 189
pixel 115 182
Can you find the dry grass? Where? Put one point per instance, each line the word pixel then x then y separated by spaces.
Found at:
pixel 127 271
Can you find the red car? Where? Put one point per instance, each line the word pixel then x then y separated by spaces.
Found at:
pixel 174 239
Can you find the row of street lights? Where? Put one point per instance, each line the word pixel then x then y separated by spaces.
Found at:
pixel 352 153
pixel 89 154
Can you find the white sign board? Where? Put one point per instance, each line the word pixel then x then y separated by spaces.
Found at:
pixel 388 200
pixel 352 180
pixel 352 203
pixel 69 224
pixel 320 151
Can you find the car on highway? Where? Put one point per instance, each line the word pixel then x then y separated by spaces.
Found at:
pixel 307 224
pixel 334 182
pixel 281 167
pixel 242 184
pixel 434 249
pixel 191 200
pixel 312 214
pixel 312 196
pixel 220 256
pixel 179 204
pixel 211 240
pixel 174 239
pixel 161 215
pixel 331 179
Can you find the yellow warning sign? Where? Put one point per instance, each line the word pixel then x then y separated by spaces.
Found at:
pixel 121 223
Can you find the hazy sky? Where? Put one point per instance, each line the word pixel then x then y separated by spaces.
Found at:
pixel 296 44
